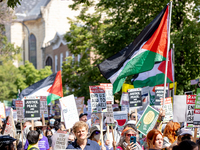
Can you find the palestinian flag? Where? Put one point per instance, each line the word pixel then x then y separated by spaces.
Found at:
pixel 156 75
pixel 140 56
pixel 50 87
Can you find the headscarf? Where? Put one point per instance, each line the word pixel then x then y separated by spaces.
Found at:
pixel 126 129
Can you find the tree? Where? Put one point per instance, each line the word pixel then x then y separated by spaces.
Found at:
pixel 117 23
pixel 11 3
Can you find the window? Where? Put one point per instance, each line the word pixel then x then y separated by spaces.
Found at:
pixel 33 50
pixel 49 62
pixel 56 63
pixel 61 60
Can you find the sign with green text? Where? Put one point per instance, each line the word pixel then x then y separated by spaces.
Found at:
pixel 147 120
pixel 197 109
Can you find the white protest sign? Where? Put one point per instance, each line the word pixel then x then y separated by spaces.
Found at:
pixel 108 87
pixel 190 101
pixel 2 111
pixel 109 114
pixel 168 109
pixel 15 115
pixel 43 106
pixel 98 99
pixel 10 127
pixel 121 117
pixel 124 102
pixel 79 104
pixel 59 141
pixel 19 108
pixel 70 113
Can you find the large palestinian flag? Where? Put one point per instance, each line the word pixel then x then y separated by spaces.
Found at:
pixel 50 87
pixel 140 56
pixel 156 75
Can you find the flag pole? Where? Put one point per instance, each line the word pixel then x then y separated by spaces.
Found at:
pixel 173 61
pixel 168 45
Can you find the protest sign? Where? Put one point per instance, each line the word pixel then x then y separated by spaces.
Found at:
pixel 98 100
pixel 193 82
pixel 2 111
pixel 59 141
pixel 115 106
pixel 10 126
pixel 89 110
pixel 7 103
pixel 32 108
pixel 57 109
pixel 121 118
pixel 109 114
pixel 159 93
pixel 179 105
pixel 43 106
pixel 95 119
pixel 19 109
pixel 7 111
pixel 79 104
pixel 197 109
pixel 190 101
pixel 124 102
pixel 108 87
pixel 15 115
pixel 70 113
pixel 147 120
pixel 168 109
pixel 135 98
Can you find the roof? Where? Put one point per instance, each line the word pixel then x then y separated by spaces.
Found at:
pixel 30 9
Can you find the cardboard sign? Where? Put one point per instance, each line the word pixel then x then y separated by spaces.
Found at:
pixel 108 87
pixel 32 108
pixel 124 102
pixel 2 111
pixel 168 109
pixel 79 104
pixel 43 106
pixel 59 141
pixel 10 126
pixel 159 91
pixel 190 101
pixel 147 120
pixel 197 109
pixel 98 99
pixel 121 118
pixel 95 119
pixel 19 109
pixel 135 98
pixel 109 114
pixel 70 113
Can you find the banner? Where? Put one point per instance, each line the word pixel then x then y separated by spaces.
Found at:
pixel 2 111
pixel 135 98
pixel 79 104
pixel 147 120
pixel 168 109
pixel 32 108
pixel 121 117
pixel 70 113
pixel 43 106
pixel 159 91
pixel 197 109
pixel 98 99
pixel 190 101
pixel 108 87
pixel 10 126
pixel 19 109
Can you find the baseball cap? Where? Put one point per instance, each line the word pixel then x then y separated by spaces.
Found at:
pixel 82 114
pixel 185 131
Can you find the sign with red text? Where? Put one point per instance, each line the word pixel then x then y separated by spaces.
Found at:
pixel 196 120
pixel 43 106
pixel 10 126
pixel 19 109
pixel 190 101
pixel 168 109
pixel 108 87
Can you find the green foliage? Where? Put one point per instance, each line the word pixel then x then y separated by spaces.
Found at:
pixel 115 24
pixel 13 3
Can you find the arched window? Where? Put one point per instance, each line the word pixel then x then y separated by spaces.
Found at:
pixel 49 62
pixel 33 50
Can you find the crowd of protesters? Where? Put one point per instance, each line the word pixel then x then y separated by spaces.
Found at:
pixel 173 136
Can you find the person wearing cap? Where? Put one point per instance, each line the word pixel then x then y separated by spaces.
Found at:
pixel 6 142
pixel 43 141
pixel 95 134
pixel 80 130
pixel 186 134
pixel 83 117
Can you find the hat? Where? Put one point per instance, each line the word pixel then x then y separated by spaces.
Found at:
pixel 6 140
pixel 82 114
pixel 131 122
pixel 38 124
pixel 51 122
pixel 95 128
pixel 185 131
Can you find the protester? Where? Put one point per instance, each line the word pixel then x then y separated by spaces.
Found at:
pixel 83 117
pixel 43 141
pixel 133 116
pixel 71 138
pixel 187 145
pixel 6 142
pixel 186 134
pixel 116 133
pixel 53 123
pixel 124 142
pixel 155 140
pixel 49 135
pixel 33 137
pixel 170 134
pixel 63 127
pixel 95 135
pixel 80 130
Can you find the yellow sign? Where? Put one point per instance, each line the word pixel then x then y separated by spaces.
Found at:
pixel 125 87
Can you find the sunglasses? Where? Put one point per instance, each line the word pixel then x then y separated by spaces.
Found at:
pixel 97 132
pixel 129 135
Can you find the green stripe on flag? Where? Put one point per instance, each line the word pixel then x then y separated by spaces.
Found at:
pixel 52 97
